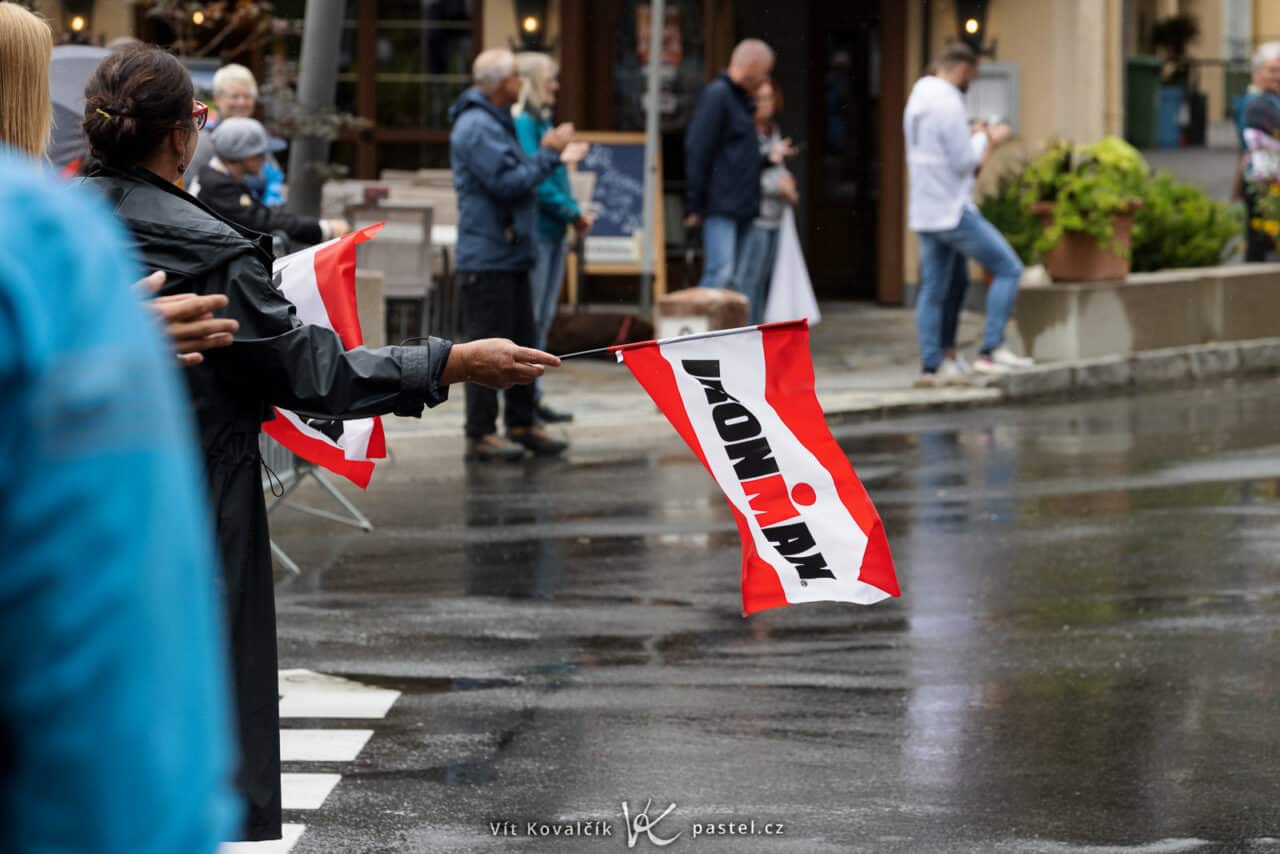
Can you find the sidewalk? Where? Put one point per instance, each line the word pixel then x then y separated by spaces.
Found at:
pixel 865 359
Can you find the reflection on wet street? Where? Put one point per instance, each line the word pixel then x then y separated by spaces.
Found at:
pixel 1086 655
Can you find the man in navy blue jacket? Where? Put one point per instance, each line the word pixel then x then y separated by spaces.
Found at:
pixel 496 183
pixel 723 159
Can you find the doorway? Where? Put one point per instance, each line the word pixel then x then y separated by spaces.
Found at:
pixel 844 149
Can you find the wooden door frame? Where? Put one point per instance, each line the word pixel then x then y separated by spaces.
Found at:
pixel 891 206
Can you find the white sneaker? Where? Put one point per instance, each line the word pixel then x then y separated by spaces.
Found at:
pixel 927 380
pixel 954 372
pixel 1002 355
pixel 989 366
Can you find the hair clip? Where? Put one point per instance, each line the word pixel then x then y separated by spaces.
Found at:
pixel 102 112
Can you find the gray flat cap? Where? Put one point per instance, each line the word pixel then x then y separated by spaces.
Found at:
pixel 238 138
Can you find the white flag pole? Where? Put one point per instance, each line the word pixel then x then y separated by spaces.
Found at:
pixel 719 333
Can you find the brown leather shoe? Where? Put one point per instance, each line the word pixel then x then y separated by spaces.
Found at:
pixel 492 447
pixel 537 440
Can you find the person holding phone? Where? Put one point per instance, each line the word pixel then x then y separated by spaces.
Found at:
pixel 944 153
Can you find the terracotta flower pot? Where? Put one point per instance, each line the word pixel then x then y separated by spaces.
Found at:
pixel 1078 257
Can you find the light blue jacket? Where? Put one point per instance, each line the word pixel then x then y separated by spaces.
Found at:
pixel 495 183
pixel 114 696
pixel 557 209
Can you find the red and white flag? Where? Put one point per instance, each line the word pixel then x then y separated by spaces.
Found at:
pixel 744 402
pixel 321 283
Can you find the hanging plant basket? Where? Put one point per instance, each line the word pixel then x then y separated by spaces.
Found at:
pixel 1081 257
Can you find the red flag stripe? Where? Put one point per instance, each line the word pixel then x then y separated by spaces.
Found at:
pixel 789 389
pixel 321 453
pixel 335 269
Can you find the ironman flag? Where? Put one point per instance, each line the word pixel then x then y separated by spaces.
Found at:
pixel 321 283
pixel 744 402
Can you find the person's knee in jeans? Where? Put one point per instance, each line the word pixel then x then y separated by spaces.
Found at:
pixel 720 249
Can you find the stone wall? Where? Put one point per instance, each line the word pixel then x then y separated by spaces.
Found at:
pixel 1149 311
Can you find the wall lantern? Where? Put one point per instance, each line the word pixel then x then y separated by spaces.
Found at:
pixel 79 15
pixel 971 23
pixel 531 25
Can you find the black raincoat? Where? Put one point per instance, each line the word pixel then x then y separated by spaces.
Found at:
pixel 275 360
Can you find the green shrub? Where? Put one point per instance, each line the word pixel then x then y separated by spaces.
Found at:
pixel 1006 210
pixel 1179 225
pixel 1088 185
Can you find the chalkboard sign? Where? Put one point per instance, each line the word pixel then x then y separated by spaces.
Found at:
pixel 612 177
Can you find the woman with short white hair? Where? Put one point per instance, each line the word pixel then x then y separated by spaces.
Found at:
pixel 557 208
pixel 235 95
pixel 235 92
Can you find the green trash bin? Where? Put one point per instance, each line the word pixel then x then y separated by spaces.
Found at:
pixel 1141 100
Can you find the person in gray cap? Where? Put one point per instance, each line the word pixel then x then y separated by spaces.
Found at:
pixel 240 149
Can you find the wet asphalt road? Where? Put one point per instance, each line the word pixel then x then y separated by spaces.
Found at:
pixel 1085 656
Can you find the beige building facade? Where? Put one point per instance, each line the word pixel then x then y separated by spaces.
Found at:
pixel 1056 69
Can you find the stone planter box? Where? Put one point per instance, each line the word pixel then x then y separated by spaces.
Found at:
pixel 1149 311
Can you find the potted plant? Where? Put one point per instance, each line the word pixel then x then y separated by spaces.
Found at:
pixel 1085 198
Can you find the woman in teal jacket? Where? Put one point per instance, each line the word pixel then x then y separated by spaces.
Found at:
pixel 557 208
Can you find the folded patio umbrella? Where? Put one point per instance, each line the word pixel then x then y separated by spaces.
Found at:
pixel 69 70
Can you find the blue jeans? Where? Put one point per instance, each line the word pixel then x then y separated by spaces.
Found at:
pixel 545 282
pixel 754 270
pixel 943 280
pixel 722 241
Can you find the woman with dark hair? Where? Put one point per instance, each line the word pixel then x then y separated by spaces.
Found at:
pixel 141 122
pixel 754 268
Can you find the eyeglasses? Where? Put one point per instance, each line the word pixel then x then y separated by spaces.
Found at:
pixel 200 115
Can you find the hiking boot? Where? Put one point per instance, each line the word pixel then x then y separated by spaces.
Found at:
pixel 492 447
pixel 537 440
pixel 547 415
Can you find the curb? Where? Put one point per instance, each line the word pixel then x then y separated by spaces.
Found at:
pixel 1150 368
pixel 1102 375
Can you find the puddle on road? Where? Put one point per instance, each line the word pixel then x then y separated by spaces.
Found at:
pixel 430 684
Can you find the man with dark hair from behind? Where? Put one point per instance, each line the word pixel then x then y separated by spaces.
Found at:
pixel 115 728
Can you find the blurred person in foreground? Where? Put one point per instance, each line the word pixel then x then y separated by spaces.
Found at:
pixel 557 209
pixel 496 184
pixel 944 154
pixel 754 270
pixel 141 121
pixel 235 95
pixel 240 147
pixel 114 704
pixel 26 44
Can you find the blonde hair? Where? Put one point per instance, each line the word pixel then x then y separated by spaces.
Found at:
pixel 26 112
pixel 233 73
pixel 535 70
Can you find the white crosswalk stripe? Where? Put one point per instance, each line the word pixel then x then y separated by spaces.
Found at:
pixel 306 694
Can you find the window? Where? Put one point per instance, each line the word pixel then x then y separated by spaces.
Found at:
pixel 401 66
